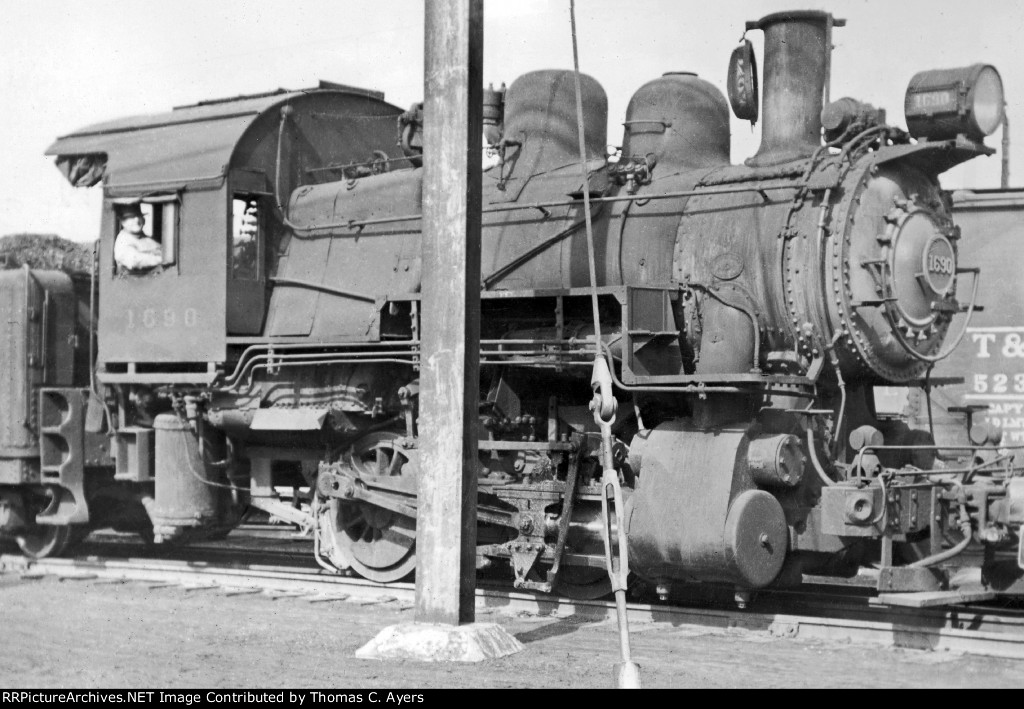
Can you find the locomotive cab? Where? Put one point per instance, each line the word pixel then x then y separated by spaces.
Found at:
pixel 186 297
pixel 209 179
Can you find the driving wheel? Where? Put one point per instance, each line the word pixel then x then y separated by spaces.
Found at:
pixel 380 544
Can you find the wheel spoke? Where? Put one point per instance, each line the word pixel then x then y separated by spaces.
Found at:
pixel 396 462
pixel 400 534
pixel 380 460
pixel 357 521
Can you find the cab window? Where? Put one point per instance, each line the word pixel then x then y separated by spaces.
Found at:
pixel 246 237
pixel 164 225
pixel 159 232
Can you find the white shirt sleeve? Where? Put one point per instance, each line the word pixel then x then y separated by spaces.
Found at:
pixel 133 253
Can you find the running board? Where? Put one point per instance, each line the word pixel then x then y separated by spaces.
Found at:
pixel 929 599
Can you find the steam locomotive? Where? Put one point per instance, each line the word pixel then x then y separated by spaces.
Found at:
pixel 746 313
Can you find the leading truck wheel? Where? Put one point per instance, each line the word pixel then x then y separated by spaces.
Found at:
pixel 380 544
pixel 46 540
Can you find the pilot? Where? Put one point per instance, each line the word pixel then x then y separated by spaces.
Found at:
pixel 133 250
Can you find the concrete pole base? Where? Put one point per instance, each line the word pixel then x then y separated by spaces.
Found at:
pixel 441 643
pixel 627 675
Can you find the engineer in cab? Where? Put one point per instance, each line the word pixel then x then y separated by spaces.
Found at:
pixel 133 250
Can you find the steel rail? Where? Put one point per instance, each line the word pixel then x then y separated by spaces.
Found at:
pixel 953 630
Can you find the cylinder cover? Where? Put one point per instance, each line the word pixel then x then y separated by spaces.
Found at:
pixel 756 537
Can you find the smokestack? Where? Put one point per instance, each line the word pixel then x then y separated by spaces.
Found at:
pixel 797 64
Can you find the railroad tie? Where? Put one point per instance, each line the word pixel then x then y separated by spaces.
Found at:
pixel 327 598
pixel 374 601
pixel 275 595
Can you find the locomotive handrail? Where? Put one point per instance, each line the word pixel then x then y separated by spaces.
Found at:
pixel 660 121
pixel 359 224
pixel 92 319
pixel 413 360
pixel 254 348
pixel 27 333
pixel 937 447
pixel 500 357
pixel 250 357
pixel 932 359
pixel 815 463
pixel 966 472
pixel 312 362
pixel 531 253
pixel 698 383
pixel 250 361
pixel 286 111
pixel 357 163
pixel 691 383
pixel 858 139
pixel 251 353
pixel 323 288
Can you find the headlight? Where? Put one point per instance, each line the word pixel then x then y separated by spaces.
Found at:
pixel 944 103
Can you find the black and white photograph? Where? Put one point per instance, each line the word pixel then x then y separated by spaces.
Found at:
pixel 355 351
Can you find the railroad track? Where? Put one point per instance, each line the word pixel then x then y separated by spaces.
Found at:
pixel 845 616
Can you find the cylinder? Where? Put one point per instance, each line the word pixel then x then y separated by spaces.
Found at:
pixel 796 65
pixel 183 500
pixel 776 461
pixel 690 518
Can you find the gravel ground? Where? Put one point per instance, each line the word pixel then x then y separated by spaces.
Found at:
pixel 89 634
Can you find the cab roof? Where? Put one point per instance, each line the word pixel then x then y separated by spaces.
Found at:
pixel 187 146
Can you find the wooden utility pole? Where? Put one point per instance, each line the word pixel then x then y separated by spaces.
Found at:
pixel 450 362
pixel 1004 182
